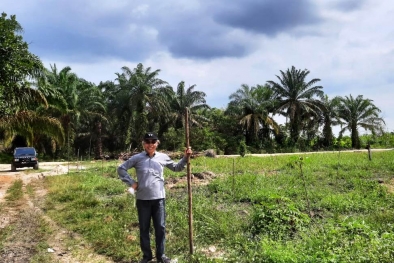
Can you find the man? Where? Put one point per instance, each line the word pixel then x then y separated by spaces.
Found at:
pixel 150 192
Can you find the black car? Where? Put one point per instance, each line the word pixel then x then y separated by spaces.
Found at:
pixel 24 157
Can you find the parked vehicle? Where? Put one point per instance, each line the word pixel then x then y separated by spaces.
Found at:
pixel 24 157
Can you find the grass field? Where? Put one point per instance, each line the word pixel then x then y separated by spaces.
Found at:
pixel 332 207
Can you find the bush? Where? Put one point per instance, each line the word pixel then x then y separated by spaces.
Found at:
pixel 279 219
pixel 242 148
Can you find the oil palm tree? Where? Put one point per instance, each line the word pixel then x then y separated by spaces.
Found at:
pixel 136 99
pixel 63 84
pixel 170 108
pixel 187 98
pixel 253 105
pixel 358 112
pixel 31 126
pixel 24 117
pixel 118 107
pixel 91 109
pixel 19 99
pixel 329 119
pixel 77 103
pixel 296 97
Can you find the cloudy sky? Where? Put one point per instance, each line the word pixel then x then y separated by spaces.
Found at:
pixel 220 44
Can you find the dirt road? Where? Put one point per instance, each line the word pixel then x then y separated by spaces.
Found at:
pixel 27 174
pixel 26 217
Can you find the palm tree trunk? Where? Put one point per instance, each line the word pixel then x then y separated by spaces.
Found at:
pixel 355 137
pixel 327 134
pixel 294 132
pixel 98 151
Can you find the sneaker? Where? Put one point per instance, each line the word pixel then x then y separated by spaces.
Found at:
pixel 164 259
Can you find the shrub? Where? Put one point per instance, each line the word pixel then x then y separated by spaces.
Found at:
pixel 279 219
pixel 242 148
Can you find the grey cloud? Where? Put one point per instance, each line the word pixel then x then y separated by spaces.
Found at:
pixel 268 17
pixel 192 33
pixel 200 38
pixel 197 29
pixel 348 5
pixel 205 48
pixel 71 46
pixel 78 35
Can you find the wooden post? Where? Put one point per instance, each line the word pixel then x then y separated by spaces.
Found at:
pixel 78 160
pixel 233 177
pixel 369 151
pixel 189 186
pixel 68 148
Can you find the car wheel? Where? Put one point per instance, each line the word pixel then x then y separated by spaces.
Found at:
pixel 35 167
pixel 13 168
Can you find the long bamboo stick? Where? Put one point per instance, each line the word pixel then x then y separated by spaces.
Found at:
pixel 189 179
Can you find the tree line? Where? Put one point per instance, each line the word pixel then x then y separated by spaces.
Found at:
pixel 62 114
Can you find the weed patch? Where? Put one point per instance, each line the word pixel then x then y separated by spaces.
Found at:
pixel 15 191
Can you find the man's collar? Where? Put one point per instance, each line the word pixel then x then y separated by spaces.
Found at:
pixel 148 153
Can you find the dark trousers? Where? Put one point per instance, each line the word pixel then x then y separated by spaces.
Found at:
pixel 155 210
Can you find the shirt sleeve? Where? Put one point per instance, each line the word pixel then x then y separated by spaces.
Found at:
pixel 176 167
pixel 122 171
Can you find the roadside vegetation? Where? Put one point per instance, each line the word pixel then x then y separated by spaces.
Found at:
pixel 339 207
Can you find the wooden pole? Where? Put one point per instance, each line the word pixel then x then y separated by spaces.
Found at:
pixel 369 151
pixel 233 177
pixel 68 148
pixel 189 185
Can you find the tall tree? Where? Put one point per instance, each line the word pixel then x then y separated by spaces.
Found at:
pixel 89 125
pixel 64 83
pixel 187 98
pixel 91 109
pixel 225 129
pixel 252 106
pixel 358 112
pixel 117 108
pixel 296 97
pixel 136 99
pixel 78 103
pixel 329 119
pixel 18 99
pixel 17 66
pixel 172 109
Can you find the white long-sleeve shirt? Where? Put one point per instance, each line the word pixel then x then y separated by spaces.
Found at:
pixel 149 171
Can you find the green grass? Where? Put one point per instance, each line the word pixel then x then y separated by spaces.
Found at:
pixel 15 191
pixel 4 234
pixel 331 207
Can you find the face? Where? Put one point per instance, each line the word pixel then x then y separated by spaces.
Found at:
pixel 150 146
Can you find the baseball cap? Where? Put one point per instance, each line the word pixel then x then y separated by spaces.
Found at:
pixel 150 135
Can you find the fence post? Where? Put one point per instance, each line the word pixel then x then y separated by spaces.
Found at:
pixel 369 151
